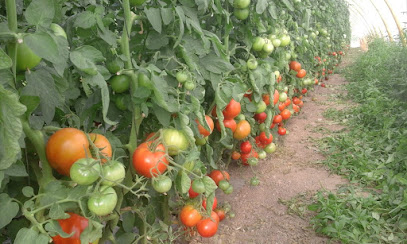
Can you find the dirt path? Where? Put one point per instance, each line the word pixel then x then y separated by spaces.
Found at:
pixel 292 170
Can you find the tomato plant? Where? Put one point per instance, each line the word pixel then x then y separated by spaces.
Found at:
pixel 88 80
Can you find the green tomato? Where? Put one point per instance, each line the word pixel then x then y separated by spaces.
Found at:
pixel 283 97
pixel 201 141
pixel 85 171
pixel 258 44
pixel 268 47
pixel 113 173
pixel 287 56
pixel 175 141
pixel 276 42
pixel 26 58
pixel 241 3
pixel 254 181
pixel 262 154
pixel 285 89
pixel 58 30
pixel 229 190
pixel 198 186
pixel 241 14
pixel 144 81
pixel 252 63
pixel 277 73
pixel 285 40
pixel 103 202
pixel 113 66
pixel 121 101
pixel 241 117
pixel 189 85
pixel 181 76
pixel 270 148
pixel 224 185
pixel 261 107
pixel 120 83
pixel 253 161
pixel 262 127
pixel 162 183
pixel 190 165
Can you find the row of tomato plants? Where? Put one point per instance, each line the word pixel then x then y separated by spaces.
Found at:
pixel 168 73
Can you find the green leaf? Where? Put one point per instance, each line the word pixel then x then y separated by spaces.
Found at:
pixel 8 209
pixel 167 15
pixel 55 229
pixel 57 212
pixel 44 46
pixel 92 233
pixel 17 170
pixel 40 83
pixel 128 220
pixel 30 236
pixel 163 115
pixel 11 128
pixel 40 12
pixel 183 182
pixel 161 94
pixel 126 238
pixel 99 81
pixel 28 191
pixel 261 6
pixel 5 60
pixel 210 198
pixel 85 59
pixel 156 40
pixel 85 20
pixel 154 17
pixel 288 4
pixel 31 102
pixel 216 65
pixel 210 185
pixel 272 10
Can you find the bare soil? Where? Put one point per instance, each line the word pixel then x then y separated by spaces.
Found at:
pixel 294 170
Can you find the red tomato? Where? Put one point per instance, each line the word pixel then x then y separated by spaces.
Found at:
pixel 286 114
pixel 282 131
pixel 287 102
pixel 281 106
pixel 277 119
pixel 75 224
pixel 296 108
pixel 266 99
pixel 215 203
pixel 66 146
pixel 272 125
pixel 294 65
pixel 229 123
pixel 207 227
pixel 304 90
pixel 232 109
pixel 296 100
pixel 245 147
pixel 218 175
pixel 242 130
pixel 261 117
pixel 103 144
pixel 302 73
pixel 301 104
pixel 276 97
pixel 189 216
pixel 316 81
pixel 220 213
pixel 147 162
pixel 202 130
pixel 264 140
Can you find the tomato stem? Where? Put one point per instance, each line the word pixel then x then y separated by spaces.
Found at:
pixel 37 139
pixel 12 25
